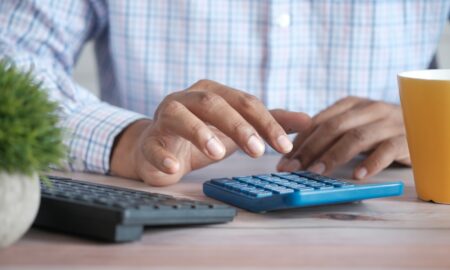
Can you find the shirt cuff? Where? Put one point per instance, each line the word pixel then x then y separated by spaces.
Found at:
pixel 91 134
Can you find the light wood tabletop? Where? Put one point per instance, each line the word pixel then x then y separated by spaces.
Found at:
pixel 388 233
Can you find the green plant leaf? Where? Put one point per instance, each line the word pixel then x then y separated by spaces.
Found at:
pixel 30 140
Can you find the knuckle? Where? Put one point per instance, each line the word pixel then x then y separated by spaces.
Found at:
pixel 203 84
pixel 208 99
pixel 273 128
pixel 171 96
pixel 374 164
pixel 154 146
pixel 249 102
pixel 197 129
pixel 241 128
pixel 357 135
pixel 169 108
pixel 351 98
pixel 380 106
pixel 331 126
pixel 390 145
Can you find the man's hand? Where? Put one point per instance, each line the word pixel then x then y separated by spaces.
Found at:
pixel 199 126
pixel 349 127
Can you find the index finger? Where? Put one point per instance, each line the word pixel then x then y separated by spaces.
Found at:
pixel 252 110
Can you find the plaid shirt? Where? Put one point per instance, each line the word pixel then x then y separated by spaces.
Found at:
pixel 295 54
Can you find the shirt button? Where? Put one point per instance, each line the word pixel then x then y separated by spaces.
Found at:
pixel 284 20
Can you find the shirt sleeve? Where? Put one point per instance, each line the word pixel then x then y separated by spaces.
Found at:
pixel 46 36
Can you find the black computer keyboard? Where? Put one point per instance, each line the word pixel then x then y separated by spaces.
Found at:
pixel 118 214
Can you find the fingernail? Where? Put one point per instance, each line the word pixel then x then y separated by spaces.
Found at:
pixel 255 145
pixel 361 173
pixel 293 165
pixel 284 143
pixel 215 148
pixel 170 163
pixel 318 168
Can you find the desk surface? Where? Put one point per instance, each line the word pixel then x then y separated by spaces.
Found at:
pixel 400 232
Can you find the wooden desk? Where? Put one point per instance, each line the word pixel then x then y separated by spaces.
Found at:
pixel 391 233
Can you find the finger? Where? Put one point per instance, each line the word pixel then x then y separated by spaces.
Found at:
pixel 337 108
pixel 291 122
pixel 253 111
pixel 203 160
pixel 175 118
pixel 353 143
pixel 146 172
pixel 382 157
pixel 331 130
pixel 155 153
pixel 301 136
pixel 213 109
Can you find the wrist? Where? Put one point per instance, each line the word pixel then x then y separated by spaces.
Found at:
pixel 122 161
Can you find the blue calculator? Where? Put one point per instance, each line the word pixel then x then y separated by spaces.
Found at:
pixel 268 192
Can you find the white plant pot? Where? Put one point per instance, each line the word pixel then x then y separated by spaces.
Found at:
pixel 19 202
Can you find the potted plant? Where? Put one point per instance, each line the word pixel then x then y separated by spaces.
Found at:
pixel 30 141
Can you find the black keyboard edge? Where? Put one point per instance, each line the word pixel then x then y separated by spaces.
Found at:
pixel 113 225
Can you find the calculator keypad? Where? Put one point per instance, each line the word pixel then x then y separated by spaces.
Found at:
pixel 266 185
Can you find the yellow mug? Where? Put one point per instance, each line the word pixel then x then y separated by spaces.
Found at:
pixel 425 101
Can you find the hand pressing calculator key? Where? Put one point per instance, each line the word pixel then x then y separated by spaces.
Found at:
pixel 276 191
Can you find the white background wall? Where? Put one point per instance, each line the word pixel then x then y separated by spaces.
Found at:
pixel 86 74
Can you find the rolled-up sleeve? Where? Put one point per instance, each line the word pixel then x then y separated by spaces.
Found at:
pixel 46 37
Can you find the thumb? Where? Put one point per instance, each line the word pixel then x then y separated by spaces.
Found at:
pixel 292 122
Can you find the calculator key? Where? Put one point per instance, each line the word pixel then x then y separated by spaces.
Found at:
pixel 261 176
pixel 221 181
pixel 297 187
pixel 281 174
pixel 301 180
pixel 280 190
pixel 316 186
pixel 325 187
pixel 303 173
pixel 259 183
pixel 303 189
pixel 269 178
pixel 243 178
pixel 260 193
pixel 330 182
pixel 346 184
pixel 284 191
pixel 291 177
pixel 281 182
pixel 263 194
